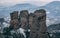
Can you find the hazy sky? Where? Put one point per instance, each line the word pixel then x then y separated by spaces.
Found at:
pixel 35 2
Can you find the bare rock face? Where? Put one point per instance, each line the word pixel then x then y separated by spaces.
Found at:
pixel 14 19
pixel 24 18
pixel 41 19
pixel 31 25
pixel 36 22
pixel 14 15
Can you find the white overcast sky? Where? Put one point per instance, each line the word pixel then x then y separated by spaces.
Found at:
pixel 35 2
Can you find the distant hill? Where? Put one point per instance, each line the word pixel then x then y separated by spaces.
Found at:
pixel 18 7
pixel 53 27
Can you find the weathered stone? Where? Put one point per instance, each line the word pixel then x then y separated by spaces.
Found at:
pixel 38 24
pixel 40 35
pixel 35 21
pixel 14 15
pixel 14 20
pixel 24 19
pixel 42 22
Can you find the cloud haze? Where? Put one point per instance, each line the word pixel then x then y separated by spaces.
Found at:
pixel 35 2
